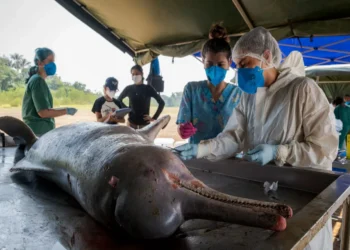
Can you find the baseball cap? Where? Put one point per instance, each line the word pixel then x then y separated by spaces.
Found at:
pixel 111 83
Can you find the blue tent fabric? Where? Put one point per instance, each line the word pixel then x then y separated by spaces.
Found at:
pixel 155 68
pixel 319 50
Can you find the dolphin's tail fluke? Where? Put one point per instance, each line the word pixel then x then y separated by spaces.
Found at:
pixel 16 128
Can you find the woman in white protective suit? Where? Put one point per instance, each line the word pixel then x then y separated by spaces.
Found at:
pixel 283 116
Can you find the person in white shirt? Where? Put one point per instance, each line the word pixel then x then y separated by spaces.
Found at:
pixel 282 117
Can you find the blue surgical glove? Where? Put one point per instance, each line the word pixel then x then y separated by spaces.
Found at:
pixel 187 151
pixel 71 111
pixel 263 154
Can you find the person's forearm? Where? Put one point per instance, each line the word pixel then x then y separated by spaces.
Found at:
pixel 224 146
pixel 159 110
pixel 52 113
pixel 103 119
pixel 308 153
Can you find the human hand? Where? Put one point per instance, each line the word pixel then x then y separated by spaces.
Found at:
pixel 118 119
pixel 148 118
pixel 71 111
pixel 186 130
pixel 187 151
pixel 263 154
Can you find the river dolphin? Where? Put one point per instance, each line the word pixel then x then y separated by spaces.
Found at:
pixel 122 179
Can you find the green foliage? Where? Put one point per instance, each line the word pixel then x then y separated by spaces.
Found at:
pixel 14 70
pixel 79 86
pixel 9 77
pixel 12 97
pixel 171 101
pixel 18 62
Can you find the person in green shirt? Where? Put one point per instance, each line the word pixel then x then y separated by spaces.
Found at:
pixel 37 106
pixel 342 112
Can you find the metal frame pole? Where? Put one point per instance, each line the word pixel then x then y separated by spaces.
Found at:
pixel 345 226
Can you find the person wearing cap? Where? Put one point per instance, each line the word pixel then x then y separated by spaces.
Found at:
pixel 106 105
pixel 37 106
pixel 139 95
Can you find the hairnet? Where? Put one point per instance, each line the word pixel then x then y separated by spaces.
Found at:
pixel 255 43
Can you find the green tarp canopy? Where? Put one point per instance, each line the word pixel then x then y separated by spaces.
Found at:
pixel 148 28
pixel 333 79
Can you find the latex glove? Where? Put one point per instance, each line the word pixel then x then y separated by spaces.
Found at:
pixel 71 111
pixel 187 130
pixel 148 118
pixel 187 151
pixel 263 154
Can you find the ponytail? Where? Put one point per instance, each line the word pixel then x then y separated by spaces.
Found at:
pixel 32 71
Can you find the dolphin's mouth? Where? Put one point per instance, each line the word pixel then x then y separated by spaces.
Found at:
pixel 201 189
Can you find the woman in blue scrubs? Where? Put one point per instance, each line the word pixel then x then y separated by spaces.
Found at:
pixel 207 105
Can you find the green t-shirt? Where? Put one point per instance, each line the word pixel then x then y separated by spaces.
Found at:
pixel 37 97
pixel 342 113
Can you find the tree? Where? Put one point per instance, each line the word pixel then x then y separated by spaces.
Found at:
pixel 6 61
pixel 24 64
pixel 167 100
pixel 176 98
pixel 79 86
pixel 54 82
pixel 18 62
pixel 8 77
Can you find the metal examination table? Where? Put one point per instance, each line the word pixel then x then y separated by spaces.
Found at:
pixel 35 214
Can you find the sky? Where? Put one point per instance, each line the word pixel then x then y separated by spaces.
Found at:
pixel 81 54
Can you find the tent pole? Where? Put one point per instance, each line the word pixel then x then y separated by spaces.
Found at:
pixel 347 82
pixel 317 79
pixel 337 42
pixel 321 63
pixel 243 14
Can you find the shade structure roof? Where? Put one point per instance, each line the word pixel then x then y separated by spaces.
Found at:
pixel 148 28
pixel 334 80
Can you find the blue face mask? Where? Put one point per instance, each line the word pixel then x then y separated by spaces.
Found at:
pixel 215 74
pixel 50 68
pixel 250 79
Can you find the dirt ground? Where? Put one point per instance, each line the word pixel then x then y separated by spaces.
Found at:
pixel 84 114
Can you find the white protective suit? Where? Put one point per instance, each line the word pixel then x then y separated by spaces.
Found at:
pixel 293 113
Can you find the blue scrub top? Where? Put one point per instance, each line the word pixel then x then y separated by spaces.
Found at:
pixel 209 117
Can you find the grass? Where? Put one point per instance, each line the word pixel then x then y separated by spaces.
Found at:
pixel 84 114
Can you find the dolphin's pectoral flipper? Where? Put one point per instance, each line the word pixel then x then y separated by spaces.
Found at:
pixel 152 130
pixel 25 165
